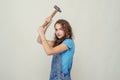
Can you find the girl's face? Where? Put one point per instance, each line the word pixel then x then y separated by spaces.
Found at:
pixel 59 31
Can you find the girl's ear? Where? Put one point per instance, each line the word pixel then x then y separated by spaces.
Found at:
pixel 67 36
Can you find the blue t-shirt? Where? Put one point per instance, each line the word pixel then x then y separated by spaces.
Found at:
pixel 67 56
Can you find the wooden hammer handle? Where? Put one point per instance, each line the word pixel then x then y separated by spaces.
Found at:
pixel 52 15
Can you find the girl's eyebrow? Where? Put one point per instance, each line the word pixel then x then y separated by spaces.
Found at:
pixel 59 28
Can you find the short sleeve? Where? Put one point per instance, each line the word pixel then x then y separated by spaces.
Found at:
pixel 68 42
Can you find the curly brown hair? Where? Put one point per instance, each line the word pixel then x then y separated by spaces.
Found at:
pixel 66 28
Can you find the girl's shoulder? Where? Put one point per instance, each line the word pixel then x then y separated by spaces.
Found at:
pixel 69 42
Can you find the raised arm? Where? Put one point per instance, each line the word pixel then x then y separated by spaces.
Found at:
pixel 48 21
pixel 47 47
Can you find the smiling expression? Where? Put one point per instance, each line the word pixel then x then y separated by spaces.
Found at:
pixel 59 32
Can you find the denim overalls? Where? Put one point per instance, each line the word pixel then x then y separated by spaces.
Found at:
pixel 62 62
pixel 56 69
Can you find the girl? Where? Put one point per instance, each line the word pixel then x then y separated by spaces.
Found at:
pixel 62 48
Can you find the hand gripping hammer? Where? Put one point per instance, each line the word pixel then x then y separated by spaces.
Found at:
pixel 57 9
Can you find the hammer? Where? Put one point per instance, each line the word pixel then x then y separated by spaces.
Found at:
pixel 57 9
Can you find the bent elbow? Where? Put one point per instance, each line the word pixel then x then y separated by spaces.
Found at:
pixel 49 53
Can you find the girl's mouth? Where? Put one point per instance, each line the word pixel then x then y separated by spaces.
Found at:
pixel 58 35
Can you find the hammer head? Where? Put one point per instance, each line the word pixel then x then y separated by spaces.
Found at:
pixel 57 8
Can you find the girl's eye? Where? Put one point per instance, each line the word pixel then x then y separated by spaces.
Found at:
pixel 55 29
pixel 58 29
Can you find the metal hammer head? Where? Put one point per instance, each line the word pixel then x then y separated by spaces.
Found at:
pixel 57 8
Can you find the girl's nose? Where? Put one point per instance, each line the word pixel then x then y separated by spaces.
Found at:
pixel 57 32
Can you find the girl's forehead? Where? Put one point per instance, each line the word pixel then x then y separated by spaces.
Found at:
pixel 58 25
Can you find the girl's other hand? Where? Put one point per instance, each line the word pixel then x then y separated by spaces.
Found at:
pixel 48 19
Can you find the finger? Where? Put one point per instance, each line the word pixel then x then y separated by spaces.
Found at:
pixel 48 19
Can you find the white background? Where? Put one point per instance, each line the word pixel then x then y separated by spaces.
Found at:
pixel 96 28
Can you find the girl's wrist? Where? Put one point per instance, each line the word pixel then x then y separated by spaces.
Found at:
pixel 43 38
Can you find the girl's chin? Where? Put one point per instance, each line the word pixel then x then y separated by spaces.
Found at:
pixel 59 37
